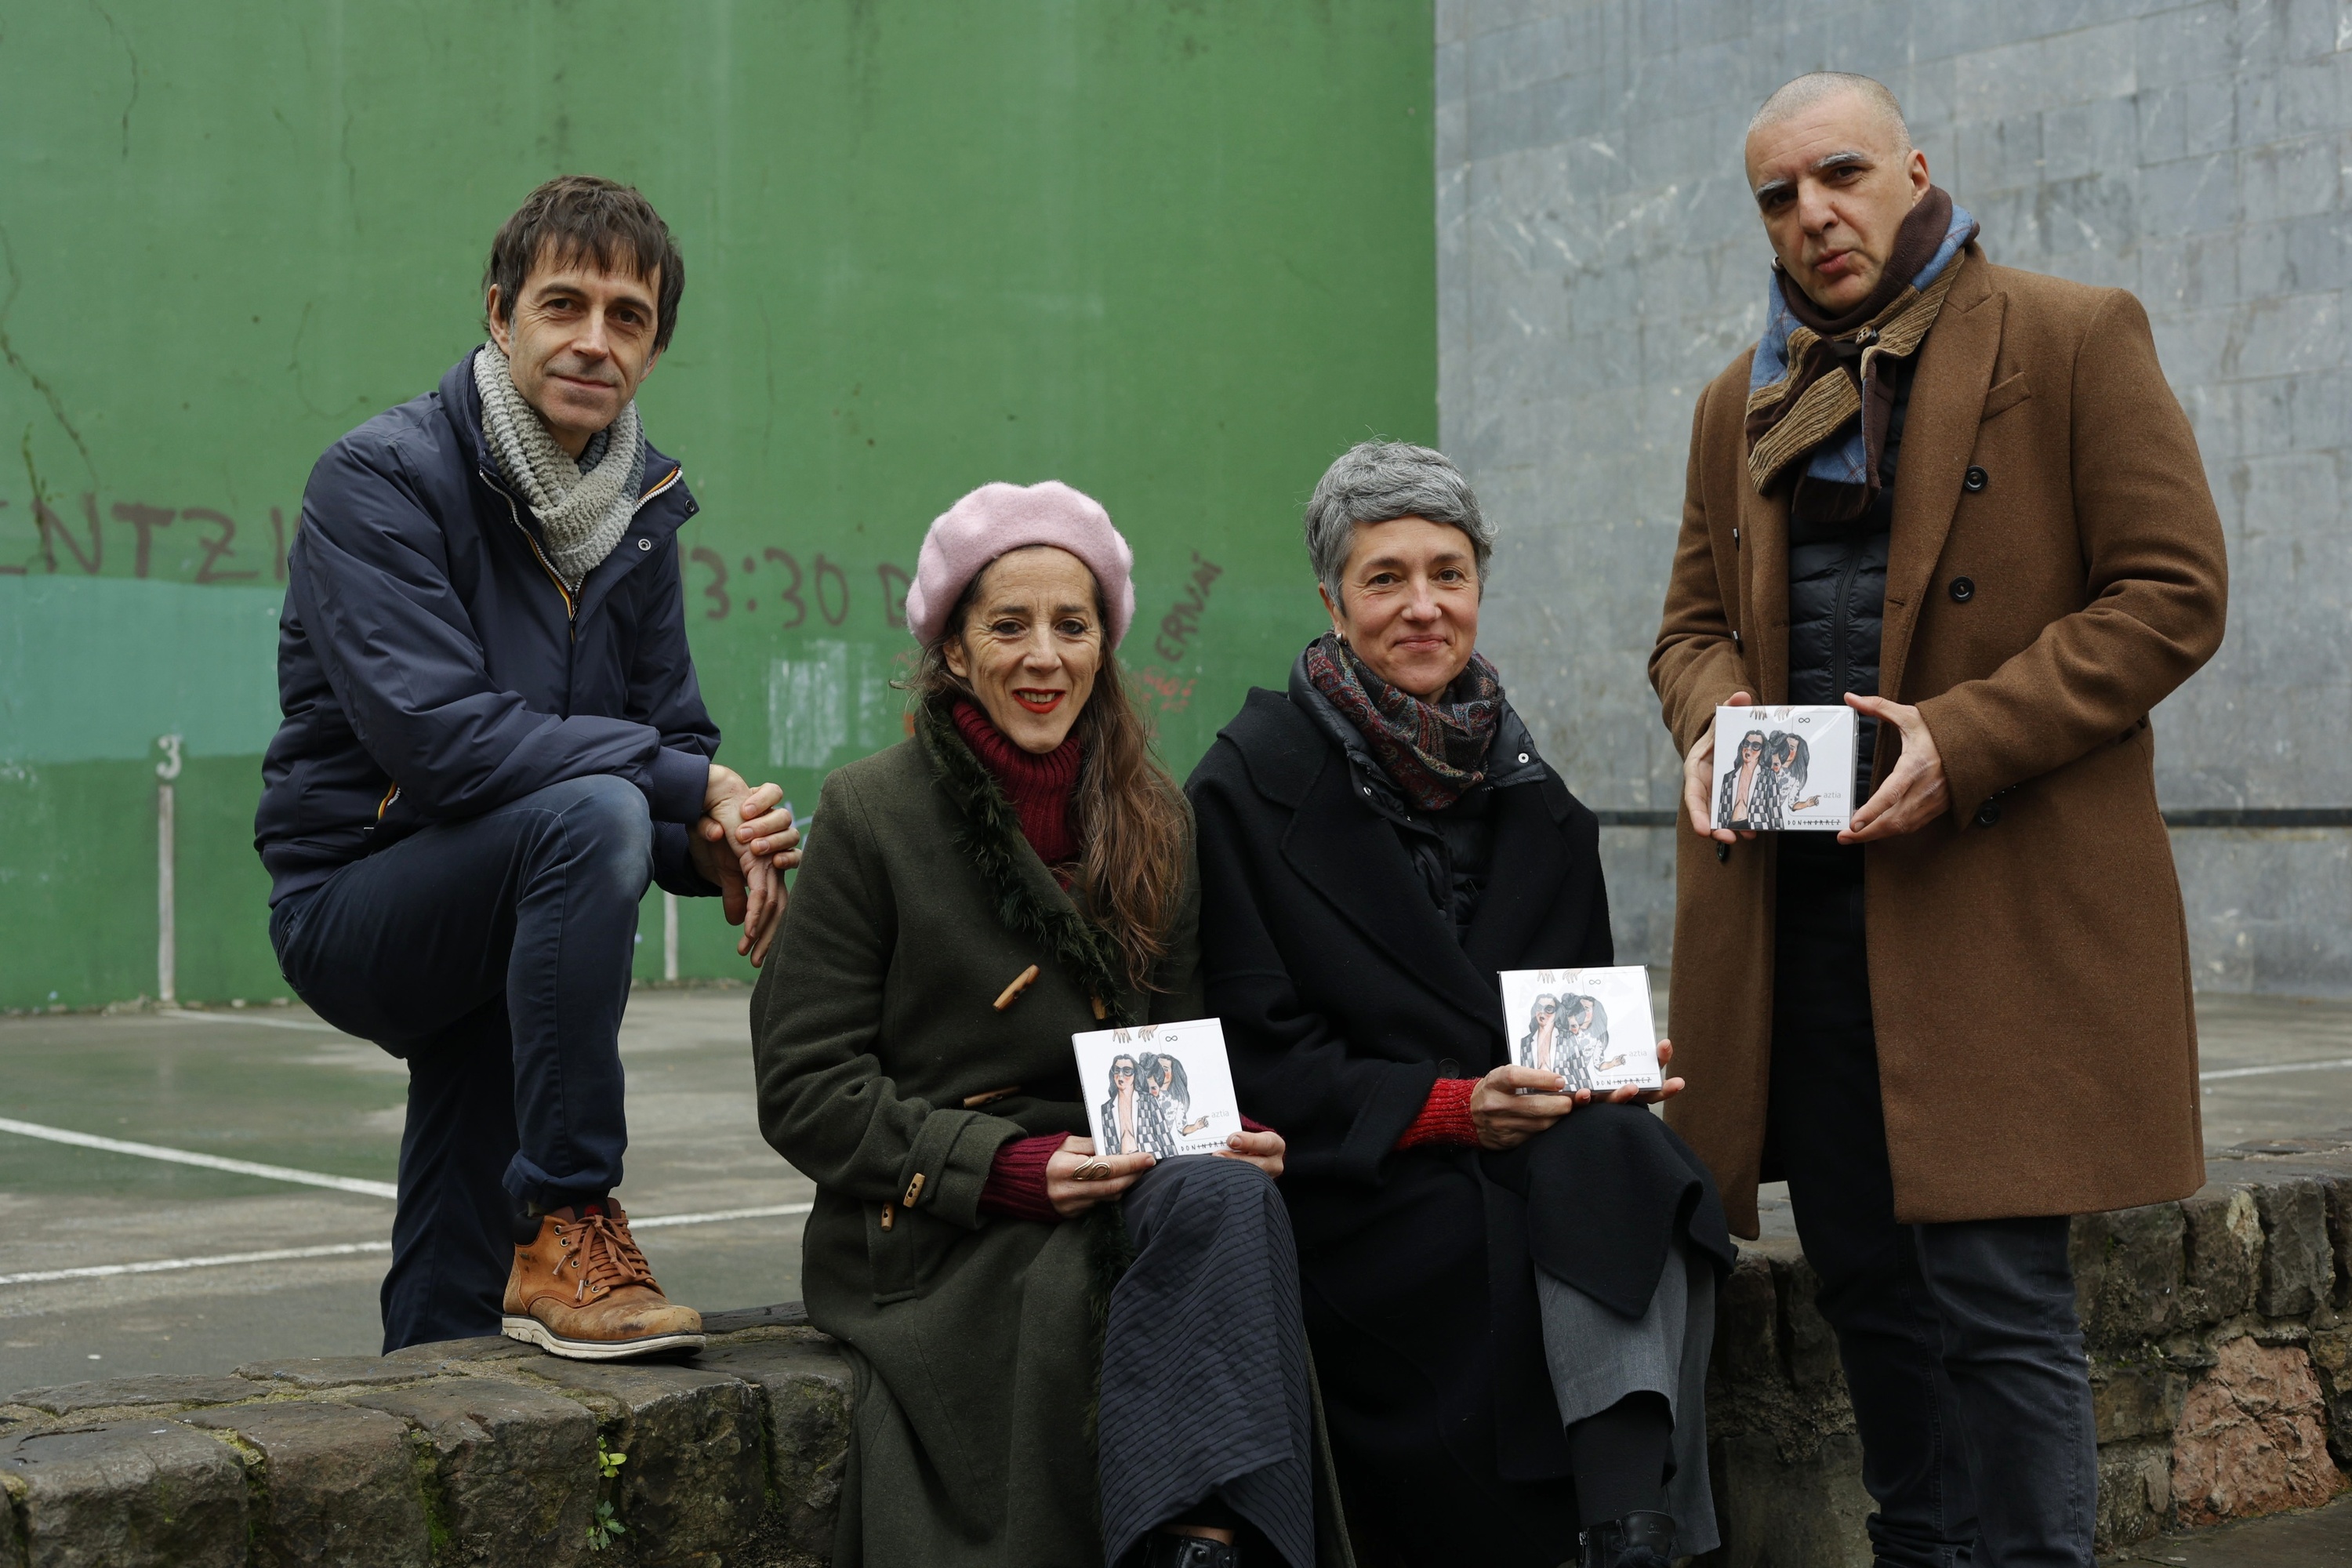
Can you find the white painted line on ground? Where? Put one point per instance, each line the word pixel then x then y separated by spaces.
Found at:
pixel 304 1023
pixel 167 1265
pixel 347 1249
pixel 2281 1067
pixel 209 1161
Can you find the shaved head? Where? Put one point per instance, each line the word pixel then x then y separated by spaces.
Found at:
pixel 1809 89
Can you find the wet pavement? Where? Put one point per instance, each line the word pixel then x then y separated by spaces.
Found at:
pixel 277 1087
pixel 2321 1538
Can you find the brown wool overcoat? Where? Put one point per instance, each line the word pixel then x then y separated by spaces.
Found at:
pixel 2056 569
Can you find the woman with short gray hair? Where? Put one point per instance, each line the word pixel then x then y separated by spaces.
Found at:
pixel 1508 1279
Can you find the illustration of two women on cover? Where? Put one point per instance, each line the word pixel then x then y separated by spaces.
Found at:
pixel 1760 790
pixel 1150 1105
pixel 1566 1035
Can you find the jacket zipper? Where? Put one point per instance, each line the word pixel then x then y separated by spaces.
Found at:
pixel 1838 668
pixel 571 604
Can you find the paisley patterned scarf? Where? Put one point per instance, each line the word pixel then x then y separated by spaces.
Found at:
pixel 1433 751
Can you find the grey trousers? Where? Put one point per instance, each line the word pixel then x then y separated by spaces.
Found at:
pixel 1598 1356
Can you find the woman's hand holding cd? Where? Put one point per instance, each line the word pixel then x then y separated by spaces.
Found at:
pixel 1264 1149
pixel 1077 1178
pixel 1667 1090
pixel 1512 1104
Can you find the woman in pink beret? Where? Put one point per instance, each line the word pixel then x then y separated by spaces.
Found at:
pixel 1063 1356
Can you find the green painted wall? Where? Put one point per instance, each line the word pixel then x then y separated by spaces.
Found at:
pixel 1175 252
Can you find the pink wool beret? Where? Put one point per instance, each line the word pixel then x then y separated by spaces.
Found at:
pixel 998 518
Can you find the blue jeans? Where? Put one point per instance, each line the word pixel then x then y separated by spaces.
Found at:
pixel 493 955
pixel 1961 1348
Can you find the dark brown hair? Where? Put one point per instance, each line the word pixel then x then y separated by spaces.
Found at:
pixel 577 216
pixel 1130 816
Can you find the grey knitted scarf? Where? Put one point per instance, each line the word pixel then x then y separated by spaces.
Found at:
pixel 583 506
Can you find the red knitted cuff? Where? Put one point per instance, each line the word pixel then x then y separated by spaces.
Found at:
pixel 1016 1188
pixel 1444 1118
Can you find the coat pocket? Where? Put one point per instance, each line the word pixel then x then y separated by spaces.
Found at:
pixel 2005 395
pixel 904 1249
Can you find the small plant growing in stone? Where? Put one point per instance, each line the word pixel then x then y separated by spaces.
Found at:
pixel 604 1526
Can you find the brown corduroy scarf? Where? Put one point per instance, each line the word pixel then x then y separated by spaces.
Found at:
pixel 1815 372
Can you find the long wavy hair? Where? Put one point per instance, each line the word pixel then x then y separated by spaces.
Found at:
pixel 1132 819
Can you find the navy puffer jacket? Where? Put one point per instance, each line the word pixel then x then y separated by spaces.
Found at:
pixel 432 666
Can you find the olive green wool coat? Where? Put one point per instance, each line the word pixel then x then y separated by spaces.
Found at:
pixel 974 1338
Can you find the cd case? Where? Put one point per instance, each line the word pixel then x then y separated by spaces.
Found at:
pixel 1159 1088
pixel 1788 769
pixel 1591 1026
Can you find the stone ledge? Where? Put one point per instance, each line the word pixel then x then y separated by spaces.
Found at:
pixel 476 1451
pixel 2219 1332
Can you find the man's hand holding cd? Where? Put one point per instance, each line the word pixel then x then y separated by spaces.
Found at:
pixel 1915 793
pixel 1698 781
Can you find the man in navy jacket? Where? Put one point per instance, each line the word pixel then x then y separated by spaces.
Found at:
pixel 493 740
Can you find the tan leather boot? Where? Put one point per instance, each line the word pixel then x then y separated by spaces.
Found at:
pixel 582 1289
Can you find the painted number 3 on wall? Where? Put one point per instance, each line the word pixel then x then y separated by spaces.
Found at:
pixel 791 591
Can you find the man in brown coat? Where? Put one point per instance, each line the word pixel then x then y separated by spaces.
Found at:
pixel 1962 499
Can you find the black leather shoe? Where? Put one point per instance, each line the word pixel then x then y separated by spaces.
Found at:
pixel 1643 1539
pixel 1189 1551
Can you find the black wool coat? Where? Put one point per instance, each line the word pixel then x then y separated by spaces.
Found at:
pixel 1344 997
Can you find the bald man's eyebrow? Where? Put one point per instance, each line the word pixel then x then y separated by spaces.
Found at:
pixel 1822 165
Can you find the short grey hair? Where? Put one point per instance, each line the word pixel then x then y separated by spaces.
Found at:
pixel 1814 86
pixel 1379 481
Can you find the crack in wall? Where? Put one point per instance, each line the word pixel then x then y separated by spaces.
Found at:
pixel 16 362
pixel 133 55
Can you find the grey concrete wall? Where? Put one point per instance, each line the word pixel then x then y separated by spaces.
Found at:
pixel 1598 261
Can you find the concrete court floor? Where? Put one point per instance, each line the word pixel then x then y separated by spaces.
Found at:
pixel 2321 1538
pixel 275 1085
pixel 278 1087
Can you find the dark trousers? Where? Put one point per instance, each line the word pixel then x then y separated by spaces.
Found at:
pixel 493 955
pixel 1960 1340
pixel 1206 1408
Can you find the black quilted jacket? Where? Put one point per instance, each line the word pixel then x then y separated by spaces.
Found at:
pixel 1837 599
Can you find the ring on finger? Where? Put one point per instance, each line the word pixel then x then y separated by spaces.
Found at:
pixel 1092 1170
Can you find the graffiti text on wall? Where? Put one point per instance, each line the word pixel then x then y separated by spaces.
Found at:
pixel 1183 618
pixel 217 555
pixel 815 595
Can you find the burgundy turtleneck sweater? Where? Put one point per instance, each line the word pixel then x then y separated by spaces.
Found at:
pixel 1040 788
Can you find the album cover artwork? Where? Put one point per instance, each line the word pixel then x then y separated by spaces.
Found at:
pixel 1786 769
pixel 1591 1026
pixel 1163 1089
